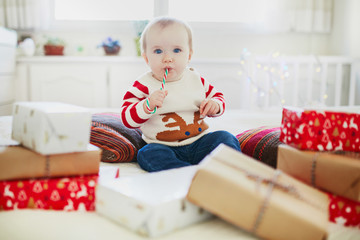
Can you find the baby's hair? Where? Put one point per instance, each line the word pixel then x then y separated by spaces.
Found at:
pixel 164 22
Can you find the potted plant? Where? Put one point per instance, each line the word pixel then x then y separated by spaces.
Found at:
pixel 139 28
pixel 54 46
pixel 111 47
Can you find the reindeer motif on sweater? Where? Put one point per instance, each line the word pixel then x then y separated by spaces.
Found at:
pixel 184 130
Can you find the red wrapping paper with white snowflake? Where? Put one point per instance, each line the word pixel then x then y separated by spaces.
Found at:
pixel 344 212
pixel 67 194
pixel 320 130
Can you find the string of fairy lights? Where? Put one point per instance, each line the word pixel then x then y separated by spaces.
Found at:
pixel 277 71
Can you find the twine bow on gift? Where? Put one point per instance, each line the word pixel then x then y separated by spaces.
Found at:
pixel 317 156
pixel 313 169
pixel 47 166
pixel 286 188
pixel 272 183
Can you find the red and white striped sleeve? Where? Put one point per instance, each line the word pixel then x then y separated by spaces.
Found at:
pixel 132 111
pixel 213 94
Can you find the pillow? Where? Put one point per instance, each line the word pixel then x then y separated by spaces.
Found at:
pixel 119 143
pixel 261 143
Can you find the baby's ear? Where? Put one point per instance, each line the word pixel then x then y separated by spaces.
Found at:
pixel 145 57
pixel 190 55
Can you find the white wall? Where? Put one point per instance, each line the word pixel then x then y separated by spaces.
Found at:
pixel 206 44
pixel 345 37
pixel 343 40
pixel 285 43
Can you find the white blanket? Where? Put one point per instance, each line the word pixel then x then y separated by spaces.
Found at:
pixel 40 224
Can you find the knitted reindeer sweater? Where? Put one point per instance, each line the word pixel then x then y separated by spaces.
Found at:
pixel 178 121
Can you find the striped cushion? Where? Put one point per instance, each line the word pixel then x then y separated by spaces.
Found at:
pixel 119 143
pixel 261 143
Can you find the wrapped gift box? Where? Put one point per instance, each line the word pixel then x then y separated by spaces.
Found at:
pixel 336 173
pixel 51 127
pixel 67 194
pixel 321 130
pixel 344 212
pixel 257 198
pixel 151 204
pixel 18 162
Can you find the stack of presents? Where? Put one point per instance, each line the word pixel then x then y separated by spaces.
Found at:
pixel 317 179
pixel 322 149
pixel 54 166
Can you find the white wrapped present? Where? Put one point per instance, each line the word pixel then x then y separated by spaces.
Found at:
pixel 51 127
pixel 151 204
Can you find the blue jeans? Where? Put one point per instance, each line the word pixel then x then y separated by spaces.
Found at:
pixel 156 157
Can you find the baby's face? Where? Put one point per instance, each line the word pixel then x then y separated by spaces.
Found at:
pixel 167 48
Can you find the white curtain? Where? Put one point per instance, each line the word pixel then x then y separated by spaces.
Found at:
pixel 313 15
pixel 25 14
pixel 298 15
pixel 272 15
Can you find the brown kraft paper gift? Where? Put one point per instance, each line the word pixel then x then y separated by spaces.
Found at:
pixel 257 198
pixel 18 162
pixel 335 173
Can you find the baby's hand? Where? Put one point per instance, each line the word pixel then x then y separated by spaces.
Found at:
pixel 208 108
pixel 156 99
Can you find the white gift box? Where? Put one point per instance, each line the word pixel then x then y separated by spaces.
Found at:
pixel 151 204
pixel 51 127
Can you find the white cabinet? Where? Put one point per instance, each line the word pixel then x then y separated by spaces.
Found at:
pixel 102 81
pixel 97 82
pixel 7 70
pixel 79 84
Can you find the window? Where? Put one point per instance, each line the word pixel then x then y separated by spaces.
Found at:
pixel 129 10
pixel 98 10
pixel 243 11
pixel 229 15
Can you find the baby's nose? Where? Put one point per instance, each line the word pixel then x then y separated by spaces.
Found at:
pixel 167 58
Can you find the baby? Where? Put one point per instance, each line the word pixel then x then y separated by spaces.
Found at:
pixel 171 116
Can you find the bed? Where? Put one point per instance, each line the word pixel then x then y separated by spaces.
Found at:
pixel 265 84
pixel 40 224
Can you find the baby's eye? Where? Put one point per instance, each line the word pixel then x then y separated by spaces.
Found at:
pixel 158 51
pixel 177 50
